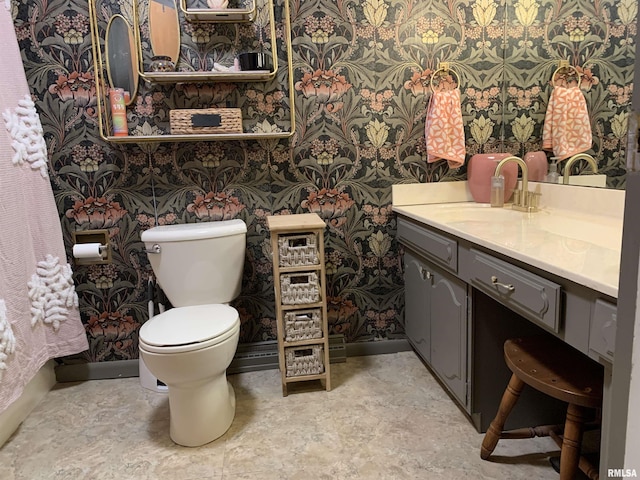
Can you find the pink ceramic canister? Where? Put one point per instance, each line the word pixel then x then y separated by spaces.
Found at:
pixel 481 168
pixel 537 164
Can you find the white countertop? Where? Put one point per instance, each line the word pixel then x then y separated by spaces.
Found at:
pixel 574 244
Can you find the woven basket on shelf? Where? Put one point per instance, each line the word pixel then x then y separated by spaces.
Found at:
pixel 302 325
pixel 297 250
pixel 205 120
pixel 299 288
pixel 307 360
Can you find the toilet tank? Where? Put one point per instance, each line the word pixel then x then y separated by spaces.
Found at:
pixel 198 263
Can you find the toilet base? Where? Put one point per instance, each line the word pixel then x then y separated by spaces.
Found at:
pixel 200 414
pixel 148 380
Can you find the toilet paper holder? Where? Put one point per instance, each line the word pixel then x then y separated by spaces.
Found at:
pixel 100 237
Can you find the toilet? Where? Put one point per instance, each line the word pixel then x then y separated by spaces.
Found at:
pixel 189 347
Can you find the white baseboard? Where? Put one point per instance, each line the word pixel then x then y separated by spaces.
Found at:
pixel 33 393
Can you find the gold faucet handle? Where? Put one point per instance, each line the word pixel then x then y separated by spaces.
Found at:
pixel 525 201
pixel 517 197
pixel 533 201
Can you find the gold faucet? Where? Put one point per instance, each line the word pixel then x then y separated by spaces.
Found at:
pixel 580 156
pixel 523 199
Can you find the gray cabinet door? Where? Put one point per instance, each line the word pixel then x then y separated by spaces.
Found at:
pixel 416 312
pixel 436 321
pixel 448 312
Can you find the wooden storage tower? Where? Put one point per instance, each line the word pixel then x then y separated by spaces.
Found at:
pixel 297 242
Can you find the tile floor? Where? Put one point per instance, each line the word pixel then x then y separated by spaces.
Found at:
pixel 386 418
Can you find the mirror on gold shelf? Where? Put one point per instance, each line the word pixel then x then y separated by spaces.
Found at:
pixel 164 29
pixel 122 57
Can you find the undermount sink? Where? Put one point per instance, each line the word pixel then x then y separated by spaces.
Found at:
pixel 477 211
pixel 595 229
pixel 505 221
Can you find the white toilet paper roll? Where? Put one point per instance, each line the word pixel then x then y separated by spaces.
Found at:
pixel 87 250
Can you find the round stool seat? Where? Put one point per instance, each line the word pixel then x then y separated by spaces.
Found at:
pixel 185 329
pixel 556 369
pixel 550 366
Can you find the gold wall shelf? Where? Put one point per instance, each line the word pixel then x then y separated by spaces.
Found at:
pixel 202 77
pixel 198 137
pixel 105 129
pixel 227 15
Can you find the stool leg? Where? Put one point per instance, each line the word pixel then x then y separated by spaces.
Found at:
pixel 509 399
pixel 571 442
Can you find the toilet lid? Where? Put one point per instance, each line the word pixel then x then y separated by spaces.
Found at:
pixel 189 325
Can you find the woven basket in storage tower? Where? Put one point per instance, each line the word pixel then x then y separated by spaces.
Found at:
pixel 205 120
pixel 304 360
pixel 298 250
pixel 299 288
pixel 302 325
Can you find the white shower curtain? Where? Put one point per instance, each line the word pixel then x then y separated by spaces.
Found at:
pixel 39 317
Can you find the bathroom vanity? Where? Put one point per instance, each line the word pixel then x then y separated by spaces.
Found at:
pixel 476 275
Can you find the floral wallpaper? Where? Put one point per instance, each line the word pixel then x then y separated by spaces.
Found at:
pixel 361 74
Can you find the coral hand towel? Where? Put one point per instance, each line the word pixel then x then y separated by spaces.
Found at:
pixel 567 129
pixel 444 131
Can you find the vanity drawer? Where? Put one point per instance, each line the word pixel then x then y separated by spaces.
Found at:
pixel 433 246
pixel 602 335
pixel 526 293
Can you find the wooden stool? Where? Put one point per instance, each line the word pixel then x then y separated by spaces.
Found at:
pixel 556 369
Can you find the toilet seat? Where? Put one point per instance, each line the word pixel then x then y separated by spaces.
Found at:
pixel 185 329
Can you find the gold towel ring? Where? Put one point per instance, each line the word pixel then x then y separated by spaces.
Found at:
pixel 444 67
pixel 564 64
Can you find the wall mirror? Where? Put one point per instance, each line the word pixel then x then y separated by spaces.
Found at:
pixel 602 39
pixel 121 56
pixel 164 29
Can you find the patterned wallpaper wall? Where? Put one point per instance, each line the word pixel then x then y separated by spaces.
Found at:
pixel 361 75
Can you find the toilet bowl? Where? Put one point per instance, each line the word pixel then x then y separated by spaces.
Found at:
pixel 192 362
pixel 190 347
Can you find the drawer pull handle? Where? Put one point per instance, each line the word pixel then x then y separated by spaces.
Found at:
pixel 506 286
pixel 425 274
